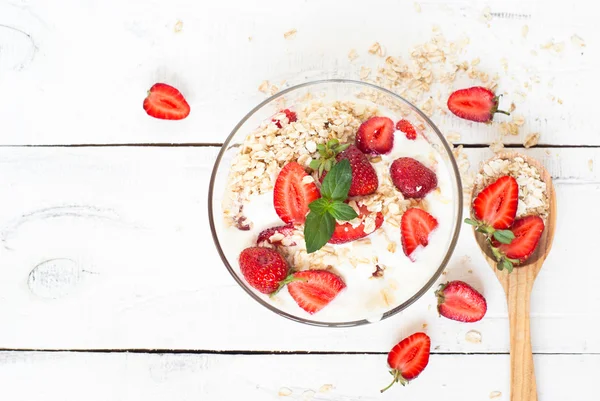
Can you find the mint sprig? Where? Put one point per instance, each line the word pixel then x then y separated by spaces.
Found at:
pixel 320 222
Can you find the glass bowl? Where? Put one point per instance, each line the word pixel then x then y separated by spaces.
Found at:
pixel 326 91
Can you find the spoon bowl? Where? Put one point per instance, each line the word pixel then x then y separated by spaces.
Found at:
pixel 518 286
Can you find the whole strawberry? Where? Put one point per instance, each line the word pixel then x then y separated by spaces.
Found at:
pixel 364 177
pixel 477 104
pixel 412 178
pixel 263 268
pixel 459 301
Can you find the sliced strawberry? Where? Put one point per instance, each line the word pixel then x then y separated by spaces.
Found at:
pixel 263 268
pixel 528 231
pixel 461 302
pixel 496 205
pixel 476 104
pixel 376 135
pixel 346 233
pixel 291 116
pixel 409 358
pixel 286 231
pixel 166 103
pixel 292 194
pixel 415 227
pixel 408 129
pixel 412 178
pixel 314 289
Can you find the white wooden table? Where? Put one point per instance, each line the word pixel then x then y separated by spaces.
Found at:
pixel 110 286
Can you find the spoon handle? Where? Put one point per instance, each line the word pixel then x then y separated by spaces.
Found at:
pixel 518 287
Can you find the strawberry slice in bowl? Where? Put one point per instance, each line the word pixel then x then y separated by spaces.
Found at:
pixel 294 190
pixel 345 232
pixel 375 136
pixel 280 235
pixel 415 228
pixel 315 289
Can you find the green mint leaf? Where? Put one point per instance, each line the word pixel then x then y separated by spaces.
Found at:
pixel 504 236
pixel 337 182
pixel 341 211
pixel 318 229
pixel 320 206
pixel 471 222
pixel 314 164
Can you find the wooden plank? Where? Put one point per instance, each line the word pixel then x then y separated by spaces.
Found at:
pixel 56 61
pixel 110 248
pixel 91 377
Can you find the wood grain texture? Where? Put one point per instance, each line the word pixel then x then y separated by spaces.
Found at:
pixel 145 273
pixel 184 377
pixel 518 286
pixel 218 53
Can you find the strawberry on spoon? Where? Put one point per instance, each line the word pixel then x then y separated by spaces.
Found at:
pixel 314 289
pixel 415 227
pixel 375 136
pixel 293 192
pixel 409 358
pixel 459 301
pixel 166 103
pixel 527 233
pixel 477 104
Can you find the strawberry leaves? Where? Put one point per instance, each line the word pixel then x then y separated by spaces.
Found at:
pixel 320 222
pixel 502 236
pixel 327 154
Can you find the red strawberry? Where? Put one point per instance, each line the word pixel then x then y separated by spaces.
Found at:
pixel 291 116
pixel 263 268
pixel 528 231
pixel 461 302
pixel 165 102
pixel 496 205
pixel 266 235
pixel 409 358
pixel 314 289
pixel 476 104
pixel 291 195
pixel 376 135
pixel 364 177
pixel 412 178
pixel 415 227
pixel 343 233
pixel 408 129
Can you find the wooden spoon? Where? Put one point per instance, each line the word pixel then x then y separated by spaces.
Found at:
pixel 517 286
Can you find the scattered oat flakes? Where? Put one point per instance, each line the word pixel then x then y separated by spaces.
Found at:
pixel 291 34
pixel 531 140
pixel 470 271
pixel 475 61
pixel 525 31
pixel 559 101
pixel 377 49
pixel 591 165
pixel 178 26
pixel 249 38
pixel 364 72
pixel 512 108
pixel 352 55
pixel 453 137
pixel 424 326
pixel 473 337
pixel 497 146
pixel 325 388
pixel 518 119
pixel 486 14
pixel 576 40
pixel 308 395
pixel 284 392
pixel 264 87
pixel 417 7
pixel 495 394
pixel 504 63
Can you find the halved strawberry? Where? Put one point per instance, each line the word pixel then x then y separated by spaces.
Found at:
pixel 415 227
pixel 291 116
pixel 314 289
pixel 409 358
pixel 166 103
pixel 528 231
pixel 459 301
pixel 292 193
pixel 263 268
pixel 408 129
pixel 412 177
pixel 496 205
pixel 476 104
pixel 343 233
pixel 280 231
pixel 376 135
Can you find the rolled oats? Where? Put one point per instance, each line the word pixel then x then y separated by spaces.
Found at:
pixel 531 140
pixel 290 34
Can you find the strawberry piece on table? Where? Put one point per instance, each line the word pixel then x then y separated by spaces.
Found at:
pixel 412 178
pixel 314 289
pixel 376 135
pixel 292 193
pixel 408 129
pixel 282 232
pixel 291 116
pixel 475 104
pixel 496 205
pixel 415 227
pixel 343 233
pixel 166 103
pixel 263 268
pixel 461 302
pixel 409 358
pixel 528 231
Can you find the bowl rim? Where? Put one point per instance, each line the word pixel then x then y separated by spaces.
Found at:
pixel 354 323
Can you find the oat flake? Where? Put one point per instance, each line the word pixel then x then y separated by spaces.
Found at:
pixel 473 337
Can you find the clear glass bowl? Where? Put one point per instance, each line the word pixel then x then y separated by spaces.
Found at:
pixel 326 90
